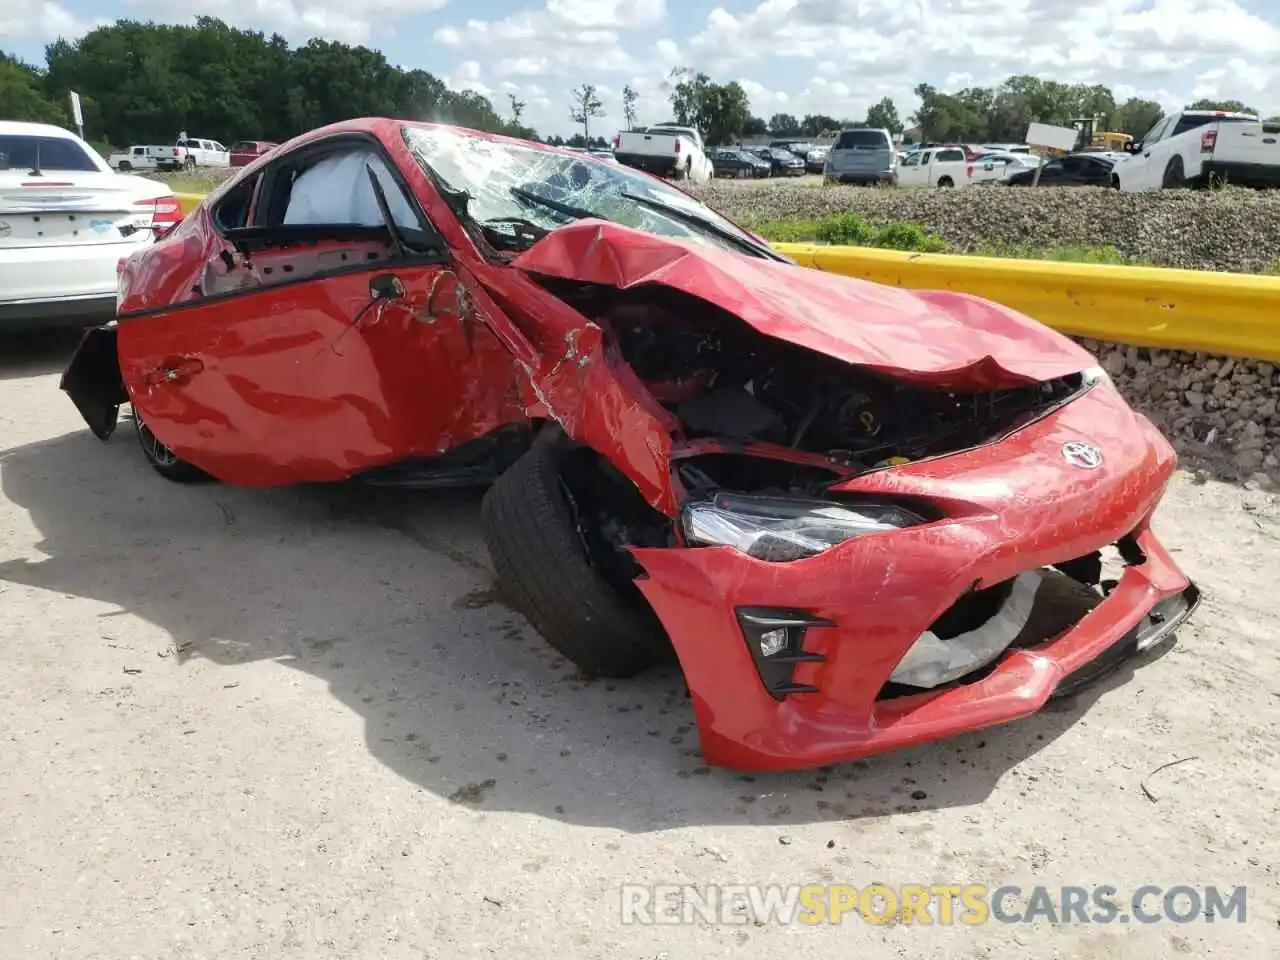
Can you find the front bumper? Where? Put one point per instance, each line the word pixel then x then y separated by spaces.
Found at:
pixel 1012 506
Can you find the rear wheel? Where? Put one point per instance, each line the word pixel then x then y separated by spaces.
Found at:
pixel 163 460
pixel 946 182
pixel 554 567
pixel 1173 175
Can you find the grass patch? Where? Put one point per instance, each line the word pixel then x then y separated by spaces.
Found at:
pixel 199 181
pixel 1098 253
pixel 849 229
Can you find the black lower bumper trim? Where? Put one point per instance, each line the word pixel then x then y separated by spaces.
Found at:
pixel 1158 625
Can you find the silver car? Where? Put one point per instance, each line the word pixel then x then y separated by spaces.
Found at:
pixel 864 156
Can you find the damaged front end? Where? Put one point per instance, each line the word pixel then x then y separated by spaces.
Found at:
pixel 875 534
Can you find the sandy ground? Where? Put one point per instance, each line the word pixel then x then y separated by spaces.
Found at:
pixel 296 724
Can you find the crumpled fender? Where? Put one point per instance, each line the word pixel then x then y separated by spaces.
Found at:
pixel 940 338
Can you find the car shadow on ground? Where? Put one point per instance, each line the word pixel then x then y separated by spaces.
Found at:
pixel 387 597
pixel 35 352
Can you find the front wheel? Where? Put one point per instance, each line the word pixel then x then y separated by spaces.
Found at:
pixel 1173 175
pixel 163 460
pixel 945 182
pixel 555 568
pixel 124 166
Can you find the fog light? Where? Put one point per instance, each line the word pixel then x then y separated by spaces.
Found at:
pixel 772 641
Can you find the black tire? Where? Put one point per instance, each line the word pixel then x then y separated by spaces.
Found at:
pixel 946 182
pixel 125 165
pixel 1174 175
pixel 163 460
pixel 545 571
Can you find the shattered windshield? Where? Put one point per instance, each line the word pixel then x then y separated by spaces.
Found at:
pixel 516 194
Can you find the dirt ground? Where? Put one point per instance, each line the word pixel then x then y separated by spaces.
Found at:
pixel 296 723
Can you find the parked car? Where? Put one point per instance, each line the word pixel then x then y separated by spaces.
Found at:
pixel 188 153
pixel 852 536
pixel 136 157
pixel 800 148
pixel 736 162
pixel 66 220
pixel 862 156
pixel 998 166
pixel 244 152
pixel 815 159
pixel 782 163
pixel 944 167
pixel 1073 170
pixel 1197 147
pixel 666 150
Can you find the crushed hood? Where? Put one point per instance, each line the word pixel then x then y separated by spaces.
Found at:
pixel 947 339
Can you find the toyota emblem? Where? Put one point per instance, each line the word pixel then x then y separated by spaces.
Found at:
pixel 1083 455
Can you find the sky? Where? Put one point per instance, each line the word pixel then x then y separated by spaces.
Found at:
pixel 834 57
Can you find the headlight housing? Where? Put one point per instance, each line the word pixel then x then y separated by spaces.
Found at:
pixel 780 529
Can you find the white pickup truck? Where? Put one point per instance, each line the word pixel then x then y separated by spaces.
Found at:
pixel 944 167
pixel 665 149
pixel 1199 148
pixel 185 154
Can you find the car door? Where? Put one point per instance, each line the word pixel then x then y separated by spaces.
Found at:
pixel 913 171
pixel 1140 170
pixel 311 348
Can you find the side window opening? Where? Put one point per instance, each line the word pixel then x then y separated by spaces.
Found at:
pixel 309 215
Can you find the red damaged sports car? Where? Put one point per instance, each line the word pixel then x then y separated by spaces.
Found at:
pixel 860 517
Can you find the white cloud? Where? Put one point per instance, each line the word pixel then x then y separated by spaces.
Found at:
pixel 42 21
pixel 559 39
pixel 299 20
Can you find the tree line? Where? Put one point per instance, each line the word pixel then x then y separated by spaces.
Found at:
pixel 975 114
pixel 146 82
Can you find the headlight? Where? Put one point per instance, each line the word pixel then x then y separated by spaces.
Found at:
pixel 780 529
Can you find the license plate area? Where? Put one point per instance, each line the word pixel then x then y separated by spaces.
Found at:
pixel 38 229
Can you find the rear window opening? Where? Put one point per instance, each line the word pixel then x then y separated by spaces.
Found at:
pixel 863 140
pixel 28 153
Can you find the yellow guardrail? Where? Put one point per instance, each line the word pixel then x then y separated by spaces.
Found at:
pixel 1222 313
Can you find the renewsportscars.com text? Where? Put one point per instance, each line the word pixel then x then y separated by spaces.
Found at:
pixel 927 904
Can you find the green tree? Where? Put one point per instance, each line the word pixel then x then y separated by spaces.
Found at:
pixel 22 94
pixel 755 127
pixel 629 98
pixel 884 115
pixel 719 111
pixel 146 82
pixel 1135 117
pixel 585 106
pixel 517 108
pixel 1230 106
pixel 784 125
pixel 818 124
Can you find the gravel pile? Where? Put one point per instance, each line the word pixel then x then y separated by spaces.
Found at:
pixel 1231 229
pixel 1219 413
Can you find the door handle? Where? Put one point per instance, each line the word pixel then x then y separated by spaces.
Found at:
pixel 176 371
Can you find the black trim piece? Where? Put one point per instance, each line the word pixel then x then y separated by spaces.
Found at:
pixel 776 671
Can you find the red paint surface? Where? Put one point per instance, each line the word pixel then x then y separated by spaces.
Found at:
pixel 1012 507
pixel 937 337
pixel 278 386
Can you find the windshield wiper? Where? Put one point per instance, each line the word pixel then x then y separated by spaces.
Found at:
pixel 564 209
pixel 524 233
pixel 693 220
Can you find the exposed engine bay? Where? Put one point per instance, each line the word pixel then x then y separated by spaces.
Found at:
pixel 722 379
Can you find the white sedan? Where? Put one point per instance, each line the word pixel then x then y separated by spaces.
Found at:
pixel 66 220
pixel 998 165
